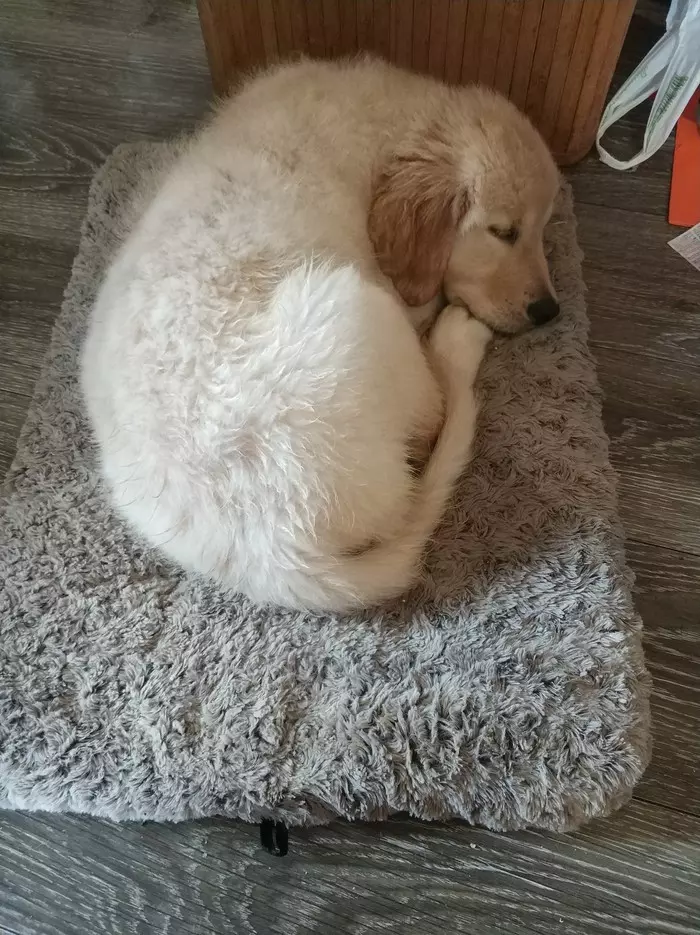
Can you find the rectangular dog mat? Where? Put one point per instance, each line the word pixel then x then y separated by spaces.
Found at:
pixel 508 689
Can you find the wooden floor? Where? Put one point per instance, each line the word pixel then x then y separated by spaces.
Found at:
pixel 78 77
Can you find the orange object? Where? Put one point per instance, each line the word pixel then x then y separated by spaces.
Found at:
pixel 684 204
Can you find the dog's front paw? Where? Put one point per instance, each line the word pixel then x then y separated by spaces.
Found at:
pixel 458 341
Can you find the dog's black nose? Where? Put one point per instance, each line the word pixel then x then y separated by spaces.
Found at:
pixel 543 310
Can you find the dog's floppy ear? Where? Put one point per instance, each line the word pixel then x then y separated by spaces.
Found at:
pixel 415 210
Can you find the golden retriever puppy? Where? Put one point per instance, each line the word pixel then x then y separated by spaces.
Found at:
pixel 252 369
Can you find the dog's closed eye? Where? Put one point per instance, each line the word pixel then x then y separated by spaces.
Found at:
pixel 508 235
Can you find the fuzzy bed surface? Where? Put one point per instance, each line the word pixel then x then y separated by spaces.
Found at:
pixel 508 689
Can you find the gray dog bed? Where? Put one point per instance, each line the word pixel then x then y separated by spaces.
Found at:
pixel 508 689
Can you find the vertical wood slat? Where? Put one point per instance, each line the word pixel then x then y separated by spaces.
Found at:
pixel 315 30
pixel 393 57
pixel 382 27
pixel 219 54
pixel 269 30
pixel 472 40
pixel 576 72
pixel 300 26
pixel 365 27
pixel 560 64
pixel 348 27
pixel 283 27
pixel 456 34
pixel 555 58
pixel 490 42
pixel 542 59
pixel 236 24
pixel 331 27
pixel 252 33
pixel 421 35
pixel 439 15
pixel 402 16
pixel 510 30
pixel 601 66
pixel 226 59
pixel 525 52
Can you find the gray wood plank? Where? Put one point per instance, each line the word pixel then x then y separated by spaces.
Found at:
pixel 645 193
pixel 634 873
pixel 643 297
pixel 667 595
pixel 673 778
pixel 667 587
pixel 651 415
pixel 137 73
pixel 33 275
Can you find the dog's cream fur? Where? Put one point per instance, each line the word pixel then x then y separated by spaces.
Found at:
pixel 253 370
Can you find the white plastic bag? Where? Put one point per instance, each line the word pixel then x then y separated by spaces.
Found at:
pixel 672 69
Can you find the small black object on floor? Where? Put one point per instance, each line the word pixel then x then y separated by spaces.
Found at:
pixel 274 837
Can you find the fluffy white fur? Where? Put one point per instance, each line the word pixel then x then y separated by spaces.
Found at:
pixel 253 371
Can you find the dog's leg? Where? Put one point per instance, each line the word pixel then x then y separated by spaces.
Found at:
pixel 456 347
pixel 428 415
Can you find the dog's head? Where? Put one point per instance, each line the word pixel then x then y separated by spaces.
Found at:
pixel 462 206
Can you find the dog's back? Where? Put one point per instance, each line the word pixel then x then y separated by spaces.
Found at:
pixel 252 375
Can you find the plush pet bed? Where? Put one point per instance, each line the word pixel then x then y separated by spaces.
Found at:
pixel 508 690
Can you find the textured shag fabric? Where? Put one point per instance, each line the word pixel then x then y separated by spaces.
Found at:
pixel 508 690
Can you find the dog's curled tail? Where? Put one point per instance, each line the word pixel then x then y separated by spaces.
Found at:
pixel 389 568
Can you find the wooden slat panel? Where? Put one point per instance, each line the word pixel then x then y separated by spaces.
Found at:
pixel 439 16
pixel 300 26
pixel 472 40
pixel 253 36
pixel 507 49
pixel 490 42
pixel 331 27
pixel 575 74
pixel 283 27
pixel 229 56
pixel 348 27
pixel 527 41
pixel 598 77
pixel 382 27
pixel 365 24
pixel 269 30
pixel 402 16
pixel 608 23
pixel 421 35
pixel 217 53
pixel 538 50
pixel 234 26
pixel 314 22
pixel 544 52
pixel 454 51
pixel 560 64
